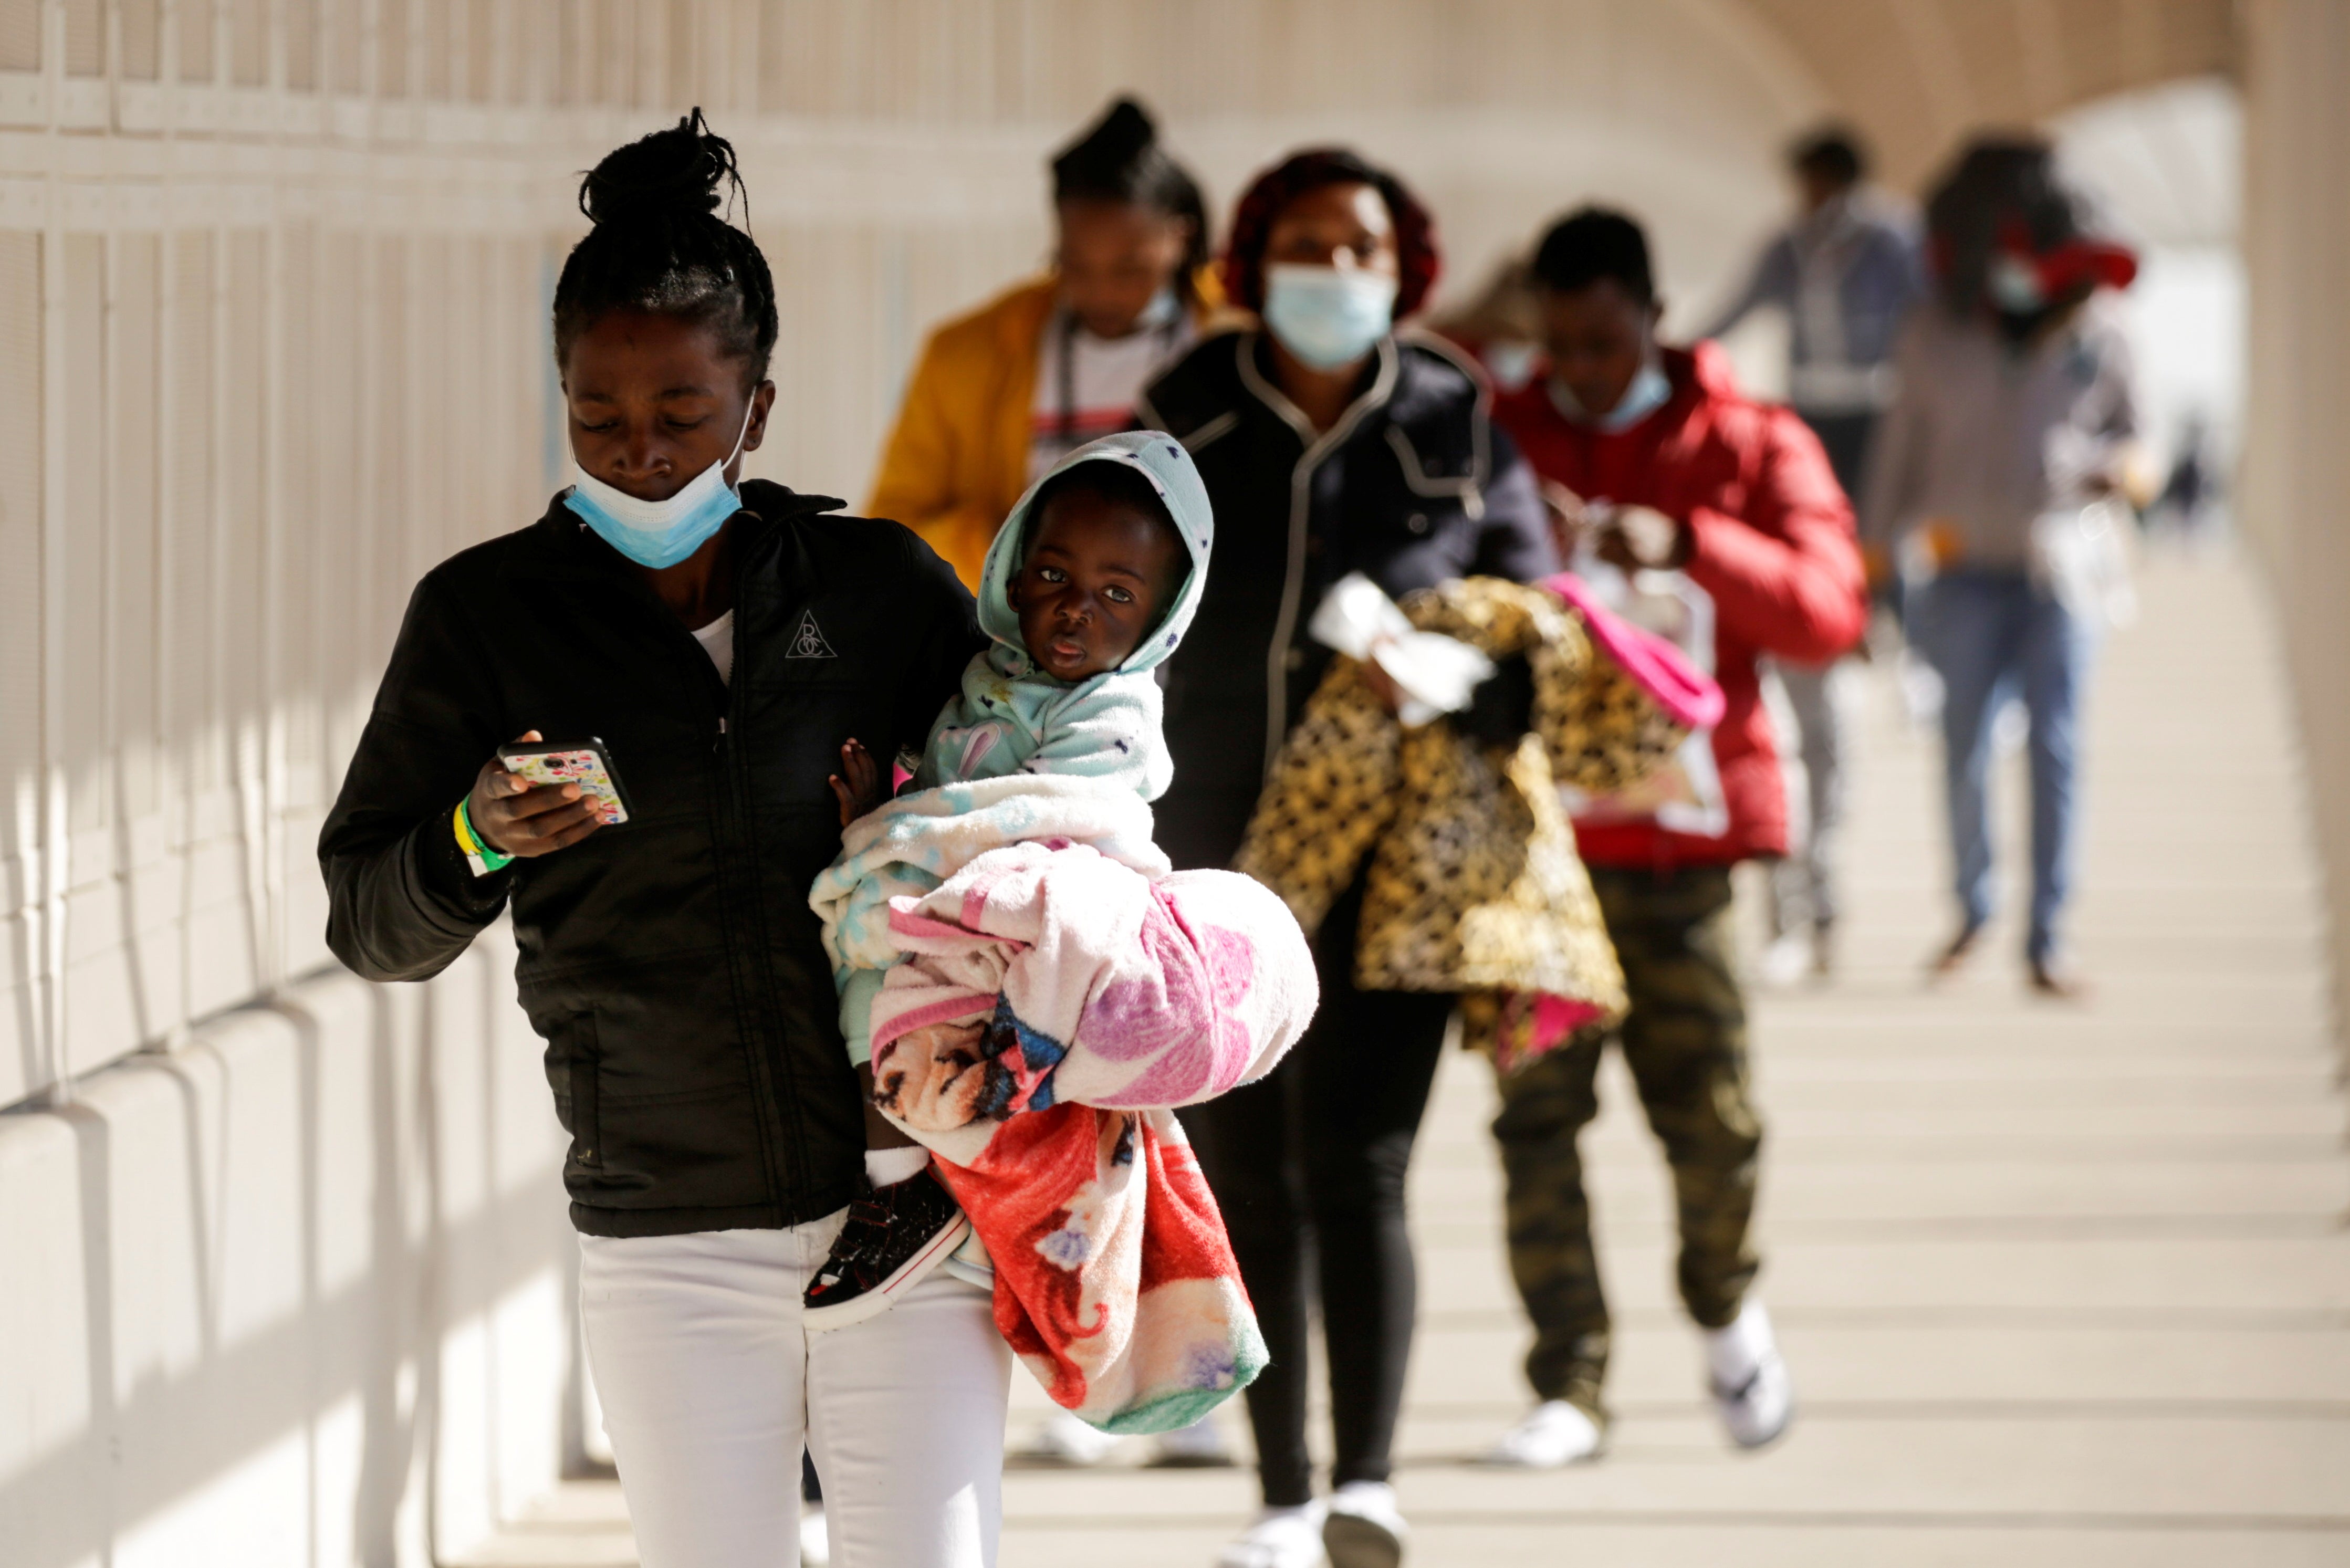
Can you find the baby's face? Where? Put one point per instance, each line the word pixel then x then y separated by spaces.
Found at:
pixel 1098 575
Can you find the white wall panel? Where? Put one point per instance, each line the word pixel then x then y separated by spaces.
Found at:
pixel 49 1385
pixel 25 1041
pixel 269 1292
pixel 2296 466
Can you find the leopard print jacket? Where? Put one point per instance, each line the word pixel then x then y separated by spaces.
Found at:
pixel 1474 886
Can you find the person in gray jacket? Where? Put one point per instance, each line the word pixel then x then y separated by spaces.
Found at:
pixel 2011 436
pixel 1847 274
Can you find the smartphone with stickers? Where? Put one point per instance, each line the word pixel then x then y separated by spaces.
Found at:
pixel 587 763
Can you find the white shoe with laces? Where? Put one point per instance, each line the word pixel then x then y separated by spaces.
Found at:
pixel 1363 1527
pixel 1066 1440
pixel 1280 1538
pixel 1553 1434
pixel 1748 1379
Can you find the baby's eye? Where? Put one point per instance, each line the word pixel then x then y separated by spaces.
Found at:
pixel 1053 574
pixel 1119 596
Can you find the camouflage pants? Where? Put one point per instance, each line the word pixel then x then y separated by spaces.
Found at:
pixel 1684 1040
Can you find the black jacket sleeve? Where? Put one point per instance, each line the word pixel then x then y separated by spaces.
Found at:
pixel 401 902
pixel 943 623
pixel 1516 539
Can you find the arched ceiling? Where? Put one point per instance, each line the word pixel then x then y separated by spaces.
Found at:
pixel 1917 75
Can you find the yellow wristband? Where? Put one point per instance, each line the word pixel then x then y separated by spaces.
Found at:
pixel 478 854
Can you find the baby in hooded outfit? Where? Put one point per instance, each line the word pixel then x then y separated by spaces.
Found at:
pixel 1088 589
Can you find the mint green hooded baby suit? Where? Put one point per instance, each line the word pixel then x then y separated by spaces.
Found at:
pixel 1012 717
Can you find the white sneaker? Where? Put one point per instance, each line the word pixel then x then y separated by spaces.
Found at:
pixel 1782 965
pixel 1748 1379
pixel 1199 1446
pixel 1280 1538
pixel 1066 1440
pixel 1364 1529
pixel 815 1541
pixel 1556 1434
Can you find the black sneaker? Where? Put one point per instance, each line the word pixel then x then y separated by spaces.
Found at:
pixel 894 1236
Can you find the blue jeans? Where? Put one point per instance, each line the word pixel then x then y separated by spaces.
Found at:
pixel 1993 636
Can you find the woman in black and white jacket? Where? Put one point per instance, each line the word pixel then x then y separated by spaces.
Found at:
pixel 1331 442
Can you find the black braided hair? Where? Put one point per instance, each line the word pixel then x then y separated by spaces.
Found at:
pixel 658 244
pixel 1118 158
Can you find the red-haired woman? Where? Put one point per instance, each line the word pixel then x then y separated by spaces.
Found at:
pixel 1331 442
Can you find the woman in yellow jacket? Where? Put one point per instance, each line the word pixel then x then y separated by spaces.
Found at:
pixel 1003 393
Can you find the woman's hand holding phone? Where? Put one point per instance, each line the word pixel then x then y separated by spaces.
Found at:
pixel 517 818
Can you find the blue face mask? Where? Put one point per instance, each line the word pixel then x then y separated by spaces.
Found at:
pixel 1649 388
pixel 1329 318
pixel 659 534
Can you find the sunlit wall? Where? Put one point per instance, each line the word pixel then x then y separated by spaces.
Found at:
pixel 283 1275
pixel 273 282
pixel 2296 471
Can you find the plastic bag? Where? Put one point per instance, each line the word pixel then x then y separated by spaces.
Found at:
pixel 1437 673
pixel 1685 795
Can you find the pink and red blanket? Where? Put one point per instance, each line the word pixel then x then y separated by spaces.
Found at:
pixel 1052 1005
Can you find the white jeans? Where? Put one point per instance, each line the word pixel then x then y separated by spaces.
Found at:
pixel 709 1386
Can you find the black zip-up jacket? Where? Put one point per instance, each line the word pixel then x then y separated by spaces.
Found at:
pixel 671 962
pixel 1413 486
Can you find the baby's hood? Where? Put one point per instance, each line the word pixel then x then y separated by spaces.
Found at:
pixel 1163 461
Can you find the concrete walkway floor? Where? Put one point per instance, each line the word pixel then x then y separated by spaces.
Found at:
pixel 2060 1284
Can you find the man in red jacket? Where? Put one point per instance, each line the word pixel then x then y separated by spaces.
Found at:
pixel 1658 462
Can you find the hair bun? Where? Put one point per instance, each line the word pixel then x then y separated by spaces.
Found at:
pixel 1115 141
pixel 1126 130
pixel 671 171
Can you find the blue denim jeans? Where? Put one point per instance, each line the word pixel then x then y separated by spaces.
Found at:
pixel 1992 637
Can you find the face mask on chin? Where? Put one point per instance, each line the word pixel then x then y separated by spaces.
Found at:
pixel 659 534
pixel 1327 317
pixel 1649 388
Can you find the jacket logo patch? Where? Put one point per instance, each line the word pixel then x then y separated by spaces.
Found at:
pixel 808 640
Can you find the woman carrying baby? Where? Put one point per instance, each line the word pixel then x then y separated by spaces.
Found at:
pixel 1084 592
pixel 722 638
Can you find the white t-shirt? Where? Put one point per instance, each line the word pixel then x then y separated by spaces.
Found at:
pixel 717 641
pixel 1101 377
